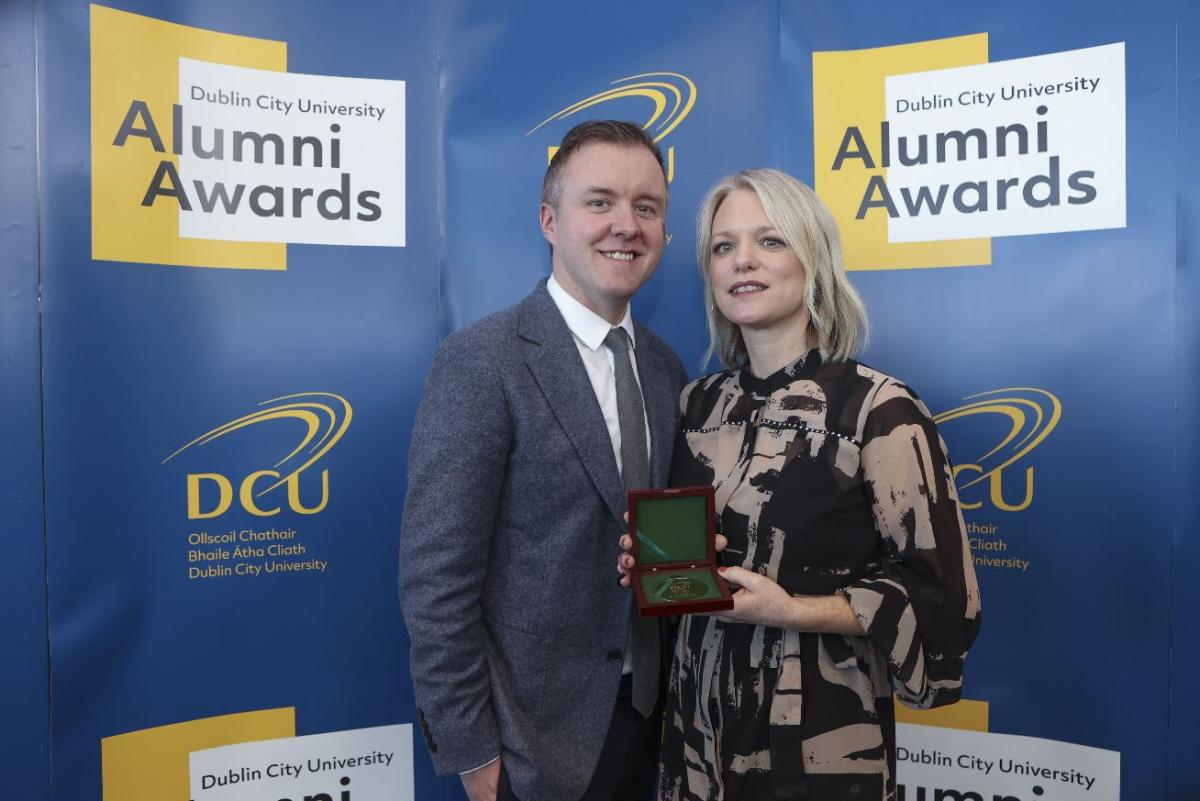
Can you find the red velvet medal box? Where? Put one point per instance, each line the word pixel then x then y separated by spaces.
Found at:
pixel 675 550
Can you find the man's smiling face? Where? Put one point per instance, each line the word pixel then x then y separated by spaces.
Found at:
pixel 608 226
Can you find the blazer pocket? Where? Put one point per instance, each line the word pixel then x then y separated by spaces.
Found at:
pixel 517 670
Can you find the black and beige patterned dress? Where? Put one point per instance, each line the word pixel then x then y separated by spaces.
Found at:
pixel 830 478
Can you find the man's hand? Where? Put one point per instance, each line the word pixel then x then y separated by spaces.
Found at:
pixel 481 784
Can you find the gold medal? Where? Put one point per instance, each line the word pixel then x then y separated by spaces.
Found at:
pixel 678 588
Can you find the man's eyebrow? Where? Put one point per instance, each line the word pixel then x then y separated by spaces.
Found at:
pixel 605 191
pixel 659 199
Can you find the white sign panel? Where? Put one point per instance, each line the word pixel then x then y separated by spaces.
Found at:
pixel 357 765
pixel 933 762
pixel 269 156
pixel 1028 146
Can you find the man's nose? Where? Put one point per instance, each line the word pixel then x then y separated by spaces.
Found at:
pixel 622 222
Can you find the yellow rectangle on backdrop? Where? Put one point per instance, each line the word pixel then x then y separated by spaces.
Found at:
pixel 136 58
pixel 152 764
pixel 849 90
pixel 969 715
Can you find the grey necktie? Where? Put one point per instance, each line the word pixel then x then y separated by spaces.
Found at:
pixel 635 472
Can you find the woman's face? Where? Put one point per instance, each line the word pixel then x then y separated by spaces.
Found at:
pixel 757 279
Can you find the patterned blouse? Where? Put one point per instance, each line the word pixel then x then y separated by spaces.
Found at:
pixel 830 478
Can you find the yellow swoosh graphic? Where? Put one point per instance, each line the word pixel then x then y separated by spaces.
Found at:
pixel 318 417
pixel 1034 413
pixel 681 95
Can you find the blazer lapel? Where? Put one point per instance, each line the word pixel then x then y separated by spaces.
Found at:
pixel 554 362
pixel 661 402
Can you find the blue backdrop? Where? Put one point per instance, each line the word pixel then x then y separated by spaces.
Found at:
pixel 1091 644
pixel 1184 768
pixel 1088 317
pixel 24 691
pixel 139 359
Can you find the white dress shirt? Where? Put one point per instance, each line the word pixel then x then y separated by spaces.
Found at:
pixel 589 330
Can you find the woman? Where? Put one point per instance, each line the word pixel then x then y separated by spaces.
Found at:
pixel 835 494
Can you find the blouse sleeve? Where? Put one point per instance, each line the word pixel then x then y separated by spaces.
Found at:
pixel 921 610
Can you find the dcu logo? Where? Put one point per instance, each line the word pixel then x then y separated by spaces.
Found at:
pixel 325 418
pixel 672 94
pixel 1026 416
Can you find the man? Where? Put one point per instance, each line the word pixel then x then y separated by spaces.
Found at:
pixel 533 678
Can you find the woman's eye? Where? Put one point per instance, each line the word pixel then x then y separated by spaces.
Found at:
pixel 773 244
pixel 721 248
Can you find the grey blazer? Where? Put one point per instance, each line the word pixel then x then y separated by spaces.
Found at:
pixel 509 544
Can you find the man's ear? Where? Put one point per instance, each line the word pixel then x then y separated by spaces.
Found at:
pixel 548 219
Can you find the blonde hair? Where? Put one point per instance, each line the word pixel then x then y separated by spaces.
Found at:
pixel 838 318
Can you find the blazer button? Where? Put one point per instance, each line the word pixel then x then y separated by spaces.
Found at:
pixel 615 655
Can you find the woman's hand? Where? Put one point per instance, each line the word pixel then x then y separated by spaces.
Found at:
pixel 758 600
pixel 761 601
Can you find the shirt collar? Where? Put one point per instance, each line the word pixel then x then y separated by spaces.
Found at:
pixel 587 326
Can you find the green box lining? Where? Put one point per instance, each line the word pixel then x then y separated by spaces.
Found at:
pixel 672 530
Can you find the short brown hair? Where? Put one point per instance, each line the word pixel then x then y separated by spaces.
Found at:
pixel 613 132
